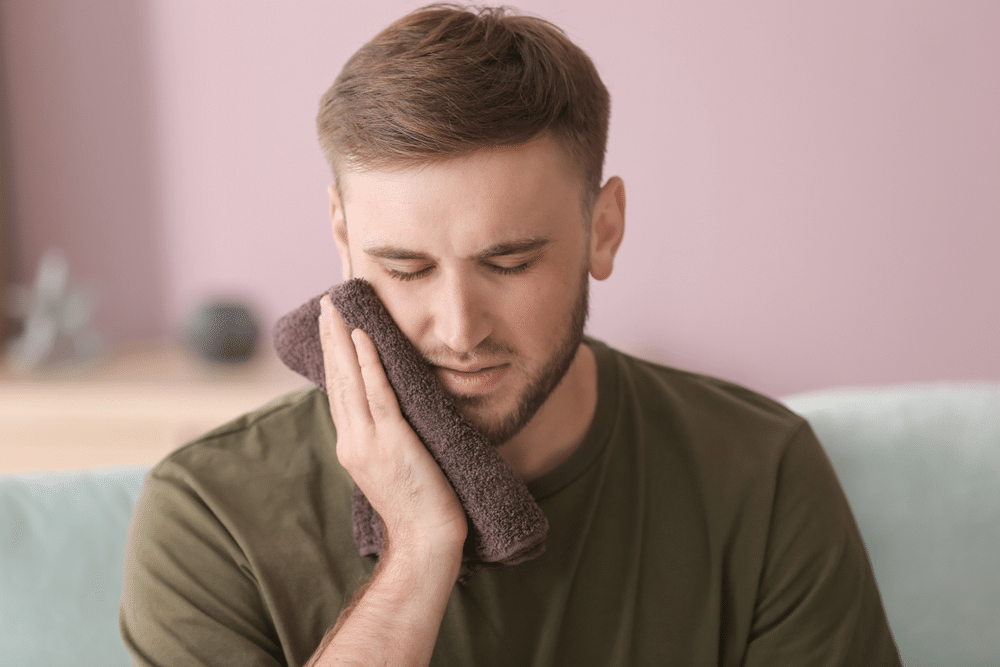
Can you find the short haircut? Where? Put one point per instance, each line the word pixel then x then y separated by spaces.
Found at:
pixel 446 80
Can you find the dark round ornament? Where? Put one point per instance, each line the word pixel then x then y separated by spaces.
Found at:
pixel 226 332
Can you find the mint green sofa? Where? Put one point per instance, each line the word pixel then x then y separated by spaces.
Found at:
pixel 920 465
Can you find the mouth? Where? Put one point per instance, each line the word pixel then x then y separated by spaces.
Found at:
pixel 472 381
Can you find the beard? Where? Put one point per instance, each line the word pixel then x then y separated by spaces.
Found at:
pixel 498 430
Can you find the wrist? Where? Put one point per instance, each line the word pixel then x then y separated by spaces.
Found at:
pixel 440 539
pixel 395 617
pixel 421 554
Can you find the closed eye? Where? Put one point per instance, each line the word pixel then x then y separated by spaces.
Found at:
pixel 510 270
pixel 403 275
pixel 529 249
pixel 496 268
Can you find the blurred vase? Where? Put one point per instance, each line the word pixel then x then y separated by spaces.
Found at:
pixel 226 332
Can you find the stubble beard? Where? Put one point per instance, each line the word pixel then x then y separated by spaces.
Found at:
pixel 500 430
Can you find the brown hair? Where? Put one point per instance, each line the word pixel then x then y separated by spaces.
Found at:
pixel 446 80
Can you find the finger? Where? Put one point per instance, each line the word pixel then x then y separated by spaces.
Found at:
pixel 381 399
pixel 345 386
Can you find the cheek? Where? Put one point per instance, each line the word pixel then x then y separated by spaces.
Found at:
pixel 402 307
pixel 539 313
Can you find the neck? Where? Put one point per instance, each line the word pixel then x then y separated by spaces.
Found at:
pixel 560 425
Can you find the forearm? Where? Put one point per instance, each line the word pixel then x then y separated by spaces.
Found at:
pixel 395 619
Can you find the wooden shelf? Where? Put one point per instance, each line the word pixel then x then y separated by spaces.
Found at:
pixel 133 406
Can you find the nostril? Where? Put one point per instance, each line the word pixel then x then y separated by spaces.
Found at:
pixel 460 321
pixel 464 335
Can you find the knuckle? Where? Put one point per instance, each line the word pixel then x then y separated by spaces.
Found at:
pixel 365 444
pixel 351 454
pixel 380 411
pixel 337 385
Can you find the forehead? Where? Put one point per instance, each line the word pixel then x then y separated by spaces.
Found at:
pixel 486 196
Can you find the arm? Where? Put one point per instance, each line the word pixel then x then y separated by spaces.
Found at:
pixel 395 618
pixel 817 600
pixel 187 595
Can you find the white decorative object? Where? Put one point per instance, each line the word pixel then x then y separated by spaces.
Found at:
pixel 57 319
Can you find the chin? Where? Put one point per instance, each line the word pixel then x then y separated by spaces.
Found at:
pixel 497 420
pixel 504 414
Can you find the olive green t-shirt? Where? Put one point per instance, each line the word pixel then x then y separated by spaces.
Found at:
pixel 699 523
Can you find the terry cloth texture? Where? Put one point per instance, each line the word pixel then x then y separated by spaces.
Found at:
pixel 507 527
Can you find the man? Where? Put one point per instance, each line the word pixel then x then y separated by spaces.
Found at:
pixel 692 521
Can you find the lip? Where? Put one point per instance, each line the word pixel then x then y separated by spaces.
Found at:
pixel 472 382
pixel 470 369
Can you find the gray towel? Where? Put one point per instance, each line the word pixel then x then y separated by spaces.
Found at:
pixel 506 525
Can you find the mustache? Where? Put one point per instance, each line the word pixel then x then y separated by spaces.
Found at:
pixel 486 351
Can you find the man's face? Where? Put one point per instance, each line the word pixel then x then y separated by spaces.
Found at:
pixel 483 263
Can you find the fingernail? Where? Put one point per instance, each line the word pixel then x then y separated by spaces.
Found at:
pixel 354 335
pixel 324 306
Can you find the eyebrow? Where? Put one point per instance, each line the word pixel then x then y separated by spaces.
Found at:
pixel 501 249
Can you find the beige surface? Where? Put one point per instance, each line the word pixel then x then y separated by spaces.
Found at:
pixel 134 406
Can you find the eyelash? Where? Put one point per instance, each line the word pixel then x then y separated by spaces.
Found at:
pixel 502 270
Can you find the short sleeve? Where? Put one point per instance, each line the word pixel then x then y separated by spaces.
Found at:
pixel 817 603
pixel 189 598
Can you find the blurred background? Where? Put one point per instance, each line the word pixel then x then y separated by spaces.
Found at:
pixel 813 193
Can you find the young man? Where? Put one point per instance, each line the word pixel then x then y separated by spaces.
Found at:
pixel 692 521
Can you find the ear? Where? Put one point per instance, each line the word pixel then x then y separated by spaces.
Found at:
pixel 339 223
pixel 607 227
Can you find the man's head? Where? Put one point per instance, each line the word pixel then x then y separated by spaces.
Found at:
pixel 478 230
pixel 445 81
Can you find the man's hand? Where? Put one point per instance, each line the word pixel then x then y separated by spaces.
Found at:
pixel 379 449
pixel 397 618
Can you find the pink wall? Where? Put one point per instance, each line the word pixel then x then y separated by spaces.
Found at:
pixel 812 187
pixel 83 154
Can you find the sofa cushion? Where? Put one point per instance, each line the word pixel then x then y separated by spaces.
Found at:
pixel 62 544
pixel 920 465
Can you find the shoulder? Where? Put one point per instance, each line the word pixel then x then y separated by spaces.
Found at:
pixel 282 451
pixel 228 524
pixel 274 434
pixel 698 402
pixel 264 481
pixel 710 429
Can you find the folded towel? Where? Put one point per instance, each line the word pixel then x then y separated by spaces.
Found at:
pixel 507 526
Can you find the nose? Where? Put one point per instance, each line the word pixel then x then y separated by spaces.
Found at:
pixel 461 318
